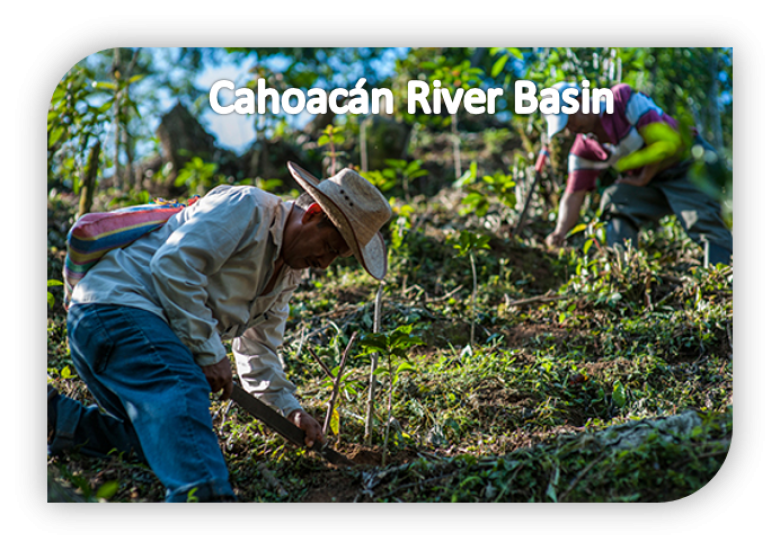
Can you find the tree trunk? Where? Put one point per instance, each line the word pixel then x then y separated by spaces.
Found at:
pixel 117 120
pixel 88 185
pixel 717 128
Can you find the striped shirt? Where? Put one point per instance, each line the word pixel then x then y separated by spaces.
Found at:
pixel 588 158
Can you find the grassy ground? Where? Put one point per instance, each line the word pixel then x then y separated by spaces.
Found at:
pixel 594 375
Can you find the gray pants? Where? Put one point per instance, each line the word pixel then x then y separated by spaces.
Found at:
pixel 627 208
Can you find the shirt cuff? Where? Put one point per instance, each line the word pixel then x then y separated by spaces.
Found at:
pixel 212 351
pixel 285 402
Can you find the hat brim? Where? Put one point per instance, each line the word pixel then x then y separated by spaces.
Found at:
pixel 372 256
pixel 556 123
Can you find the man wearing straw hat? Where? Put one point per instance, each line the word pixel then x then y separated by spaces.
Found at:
pixel 146 324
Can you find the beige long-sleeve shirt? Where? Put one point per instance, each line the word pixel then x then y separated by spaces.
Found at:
pixel 203 273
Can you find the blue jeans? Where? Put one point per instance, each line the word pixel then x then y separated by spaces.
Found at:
pixel 156 399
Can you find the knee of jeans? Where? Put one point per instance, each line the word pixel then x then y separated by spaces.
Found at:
pixel 614 202
pixel 90 343
pixel 619 230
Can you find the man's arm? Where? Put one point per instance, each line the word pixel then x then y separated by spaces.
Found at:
pixel 260 369
pixel 663 148
pixel 180 269
pixel 587 160
pixel 568 214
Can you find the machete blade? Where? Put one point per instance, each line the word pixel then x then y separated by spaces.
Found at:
pixel 282 426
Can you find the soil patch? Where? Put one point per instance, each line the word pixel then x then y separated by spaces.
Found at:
pixel 333 485
pixel 372 456
pixel 339 484
pixel 524 334
pixel 528 261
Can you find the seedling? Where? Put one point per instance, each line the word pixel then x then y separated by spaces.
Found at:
pixel 405 171
pixel 466 244
pixel 331 413
pixel 393 344
pixel 499 186
pixel 332 136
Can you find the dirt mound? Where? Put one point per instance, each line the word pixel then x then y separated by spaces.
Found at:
pixel 343 484
pixel 523 334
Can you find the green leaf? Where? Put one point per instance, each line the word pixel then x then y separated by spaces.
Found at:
pixel 334 422
pixel 104 85
pixel 374 343
pixel 66 373
pixel 467 177
pixel 551 492
pixel 53 282
pixel 106 106
pixel 618 394
pixel 577 229
pixel 482 242
pixel 55 135
pixel 58 93
pixel 270 185
pixel 403 329
pixel 553 483
pixel 395 163
pixel 498 66
pixel 405 367
pixel 587 246
pixel 107 490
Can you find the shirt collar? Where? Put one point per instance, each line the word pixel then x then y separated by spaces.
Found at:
pixel 281 214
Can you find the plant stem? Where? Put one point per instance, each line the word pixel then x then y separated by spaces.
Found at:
pixel 335 393
pixel 473 296
pixel 389 408
pixel 363 146
pixel 456 146
pixel 332 154
pixel 374 361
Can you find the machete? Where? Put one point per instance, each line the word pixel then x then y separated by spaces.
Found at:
pixel 282 426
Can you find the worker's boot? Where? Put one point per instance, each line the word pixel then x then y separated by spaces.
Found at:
pixel 716 254
pixel 52 398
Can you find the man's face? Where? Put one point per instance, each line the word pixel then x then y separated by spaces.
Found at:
pixel 312 245
pixel 579 123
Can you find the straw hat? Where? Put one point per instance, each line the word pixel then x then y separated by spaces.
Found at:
pixel 356 208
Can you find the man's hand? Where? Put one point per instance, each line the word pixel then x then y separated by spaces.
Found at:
pixel 555 238
pixel 307 423
pixel 568 213
pixel 220 377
